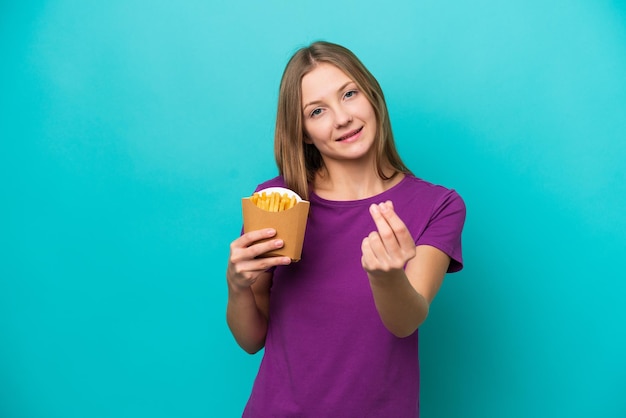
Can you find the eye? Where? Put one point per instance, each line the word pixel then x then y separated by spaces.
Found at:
pixel 350 94
pixel 315 112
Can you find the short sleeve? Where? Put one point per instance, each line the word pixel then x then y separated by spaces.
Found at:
pixel 444 228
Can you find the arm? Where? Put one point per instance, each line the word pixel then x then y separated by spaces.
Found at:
pixel 249 283
pixel 404 278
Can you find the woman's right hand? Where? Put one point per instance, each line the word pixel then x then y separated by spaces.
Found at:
pixel 243 265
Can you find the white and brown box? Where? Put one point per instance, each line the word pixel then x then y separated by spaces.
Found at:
pixel 290 226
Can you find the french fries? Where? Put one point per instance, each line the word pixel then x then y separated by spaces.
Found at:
pixel 274 201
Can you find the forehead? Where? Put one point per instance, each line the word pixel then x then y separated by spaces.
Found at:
pixel 323 80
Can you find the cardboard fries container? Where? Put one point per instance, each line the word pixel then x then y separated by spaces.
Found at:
pixel 289 224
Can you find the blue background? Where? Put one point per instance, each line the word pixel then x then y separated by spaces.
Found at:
pixel 131 129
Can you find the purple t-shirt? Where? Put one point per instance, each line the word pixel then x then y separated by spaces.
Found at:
pixel 327 353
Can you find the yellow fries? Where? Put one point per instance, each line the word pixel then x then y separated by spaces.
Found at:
pixel 273 202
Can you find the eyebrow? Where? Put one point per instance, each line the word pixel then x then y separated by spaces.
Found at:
pixel 319 101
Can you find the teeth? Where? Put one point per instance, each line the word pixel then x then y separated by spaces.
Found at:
pixel 349 135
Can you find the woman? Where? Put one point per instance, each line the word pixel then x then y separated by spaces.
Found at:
pixel 340 327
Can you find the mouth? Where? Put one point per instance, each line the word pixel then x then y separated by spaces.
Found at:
pixel 349 135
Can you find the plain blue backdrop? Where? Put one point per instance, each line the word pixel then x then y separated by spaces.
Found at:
pixel 131 129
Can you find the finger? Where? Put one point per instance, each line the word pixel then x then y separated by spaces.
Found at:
pixel 366 253
pixel 384 228
pixel 399 228
pixel 253 250
pixel 374 251
pixel 376 246
pixel 251 268
pixel 245 273
pixel 368 257
pixel 251 237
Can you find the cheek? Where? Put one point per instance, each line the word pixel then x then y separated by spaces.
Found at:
pixel 370 112
pixel 306 133
pixel 315 131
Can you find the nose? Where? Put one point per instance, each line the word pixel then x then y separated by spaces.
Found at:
pixel 342 117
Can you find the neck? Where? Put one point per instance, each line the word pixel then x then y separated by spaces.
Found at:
pixel 351 181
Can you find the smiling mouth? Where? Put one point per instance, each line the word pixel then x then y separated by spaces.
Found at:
pixel 349 134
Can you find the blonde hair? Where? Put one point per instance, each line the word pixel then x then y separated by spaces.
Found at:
pixel 297 161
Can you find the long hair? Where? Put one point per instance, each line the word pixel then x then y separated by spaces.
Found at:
pixel 297 161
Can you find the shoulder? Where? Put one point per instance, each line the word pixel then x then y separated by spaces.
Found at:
pixel 421 201
pixel 427 191
pixel 436 215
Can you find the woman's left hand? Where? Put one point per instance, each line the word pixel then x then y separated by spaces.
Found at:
pixel 390 247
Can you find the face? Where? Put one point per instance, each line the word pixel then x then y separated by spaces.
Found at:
pixel 338 118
